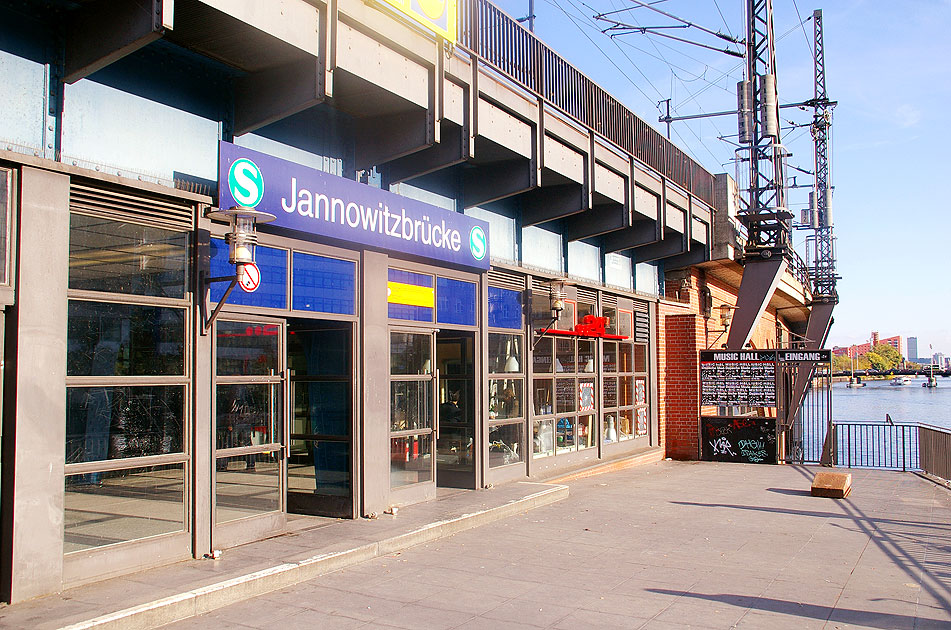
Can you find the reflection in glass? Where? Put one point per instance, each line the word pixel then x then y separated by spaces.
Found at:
pixel 411 460
pixel 318 351
pixel 542 357
pixel 247 486
pixel 587 434
pixel 410 353
pixel 321 408
pixel 116 506
pixel 565 395
pixel 246 348
pixel 543 438
pixel 611 313
pixel 565 434
pixel 564 355
pixel 105 339
pixel 640 357
pixel 505 398
pixel 543 396
pixel 118 422
pixel 505 444
pixel 625 324
pixel 319 467
pixel 610 392
pixel 505 353
pixel 411 405
pixel 106 255
pixel 566 319
pixel 586 358
pixel 248 414
pixel 610 356
pixel 625 426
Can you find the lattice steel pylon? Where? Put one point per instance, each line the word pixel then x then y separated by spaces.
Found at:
pixel 764 214
pixel 823 272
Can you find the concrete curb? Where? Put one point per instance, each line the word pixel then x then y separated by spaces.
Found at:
pixel 207 598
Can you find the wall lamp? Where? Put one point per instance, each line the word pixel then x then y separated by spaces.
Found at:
pixel 241 239
pixel 556 299
pixel 725 313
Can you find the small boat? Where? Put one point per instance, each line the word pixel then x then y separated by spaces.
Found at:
pixel 931 381
pixel 900 381
pixel 855 382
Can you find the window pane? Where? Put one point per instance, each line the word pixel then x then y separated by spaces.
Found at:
pixel 505 307
pixel 246 348
pixel 106 255
pixel 112 507
pixel 640 358
pixel 505 353
pixel 543 396
pixel 319 467
pixel 565 394
pixel 565 355
pixel 272 292
pixel 118 422
pixel 610 356
pixel 640 391
pixel 626 391
pixel 587 434
pixel 610 428
pixel 321 408
pixel 323 285
pixel 411 460
pixel 455 302
pixel 124 340
pixel 625 427
pixel 543 438
pixel 505 398
pixel 5 210
pixel 566 319
pixel 505 444
pixel 248 414
pixel 410 296
pixel 411 405
pixel 626 358
pixel 610 392
pixel 586 362
pixel 313 351
pixel 542 357
pixel 625 324
pixel 565 434
pixel 410 353
pixel 247 485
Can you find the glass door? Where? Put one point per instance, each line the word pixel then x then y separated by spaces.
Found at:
pixel 249 403
pixel 413 429
pixel 320 358
pixel 455 446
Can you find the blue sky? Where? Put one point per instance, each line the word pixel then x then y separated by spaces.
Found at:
pixel 887 65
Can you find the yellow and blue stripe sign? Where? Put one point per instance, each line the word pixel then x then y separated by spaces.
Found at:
pixel 410 295
pixel 438 16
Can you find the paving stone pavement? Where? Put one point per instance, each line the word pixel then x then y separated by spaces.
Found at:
pixel 667 546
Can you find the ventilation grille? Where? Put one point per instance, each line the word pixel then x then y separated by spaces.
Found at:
pixel 640 307
pixel 642 327
pixel 608 300
pixel 122 206
pixel 540 284
pixel 588 296
pixel 506 280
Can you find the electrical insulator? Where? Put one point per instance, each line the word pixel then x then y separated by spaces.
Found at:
pixel 744 111
pixel 769 111
pixel 827 206
pixel 813 220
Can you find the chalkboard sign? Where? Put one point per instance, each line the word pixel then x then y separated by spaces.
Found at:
pixel 729 379
pixel 746 440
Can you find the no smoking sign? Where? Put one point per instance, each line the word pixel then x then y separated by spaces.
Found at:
pixel 249 277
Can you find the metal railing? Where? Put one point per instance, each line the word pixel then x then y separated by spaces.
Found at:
pixel 876 445
pixel 934 451
pixel 487 33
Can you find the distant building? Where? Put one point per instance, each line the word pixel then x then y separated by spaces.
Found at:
pixel 894 342
pixel 939 359
pixel 912 349
pixel 874 338
pixel 864 348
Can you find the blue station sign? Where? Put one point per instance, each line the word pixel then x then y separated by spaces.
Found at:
pixel 307 200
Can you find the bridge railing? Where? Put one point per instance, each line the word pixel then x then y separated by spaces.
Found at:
pixel 876 445
pixel 499 41
pixel 934 451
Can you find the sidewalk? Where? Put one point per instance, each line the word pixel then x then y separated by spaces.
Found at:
pixel 159 596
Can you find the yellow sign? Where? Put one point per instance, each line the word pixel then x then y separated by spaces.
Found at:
pixel 438 16
pixel 410 294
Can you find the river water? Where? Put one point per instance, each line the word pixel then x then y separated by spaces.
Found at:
pixel 911 403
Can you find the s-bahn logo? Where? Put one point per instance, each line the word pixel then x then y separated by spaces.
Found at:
pixel 438 16
pixel 246 182
pixel 477 243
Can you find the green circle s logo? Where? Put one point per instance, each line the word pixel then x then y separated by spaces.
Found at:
pixel 246 182
pixel 477 243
